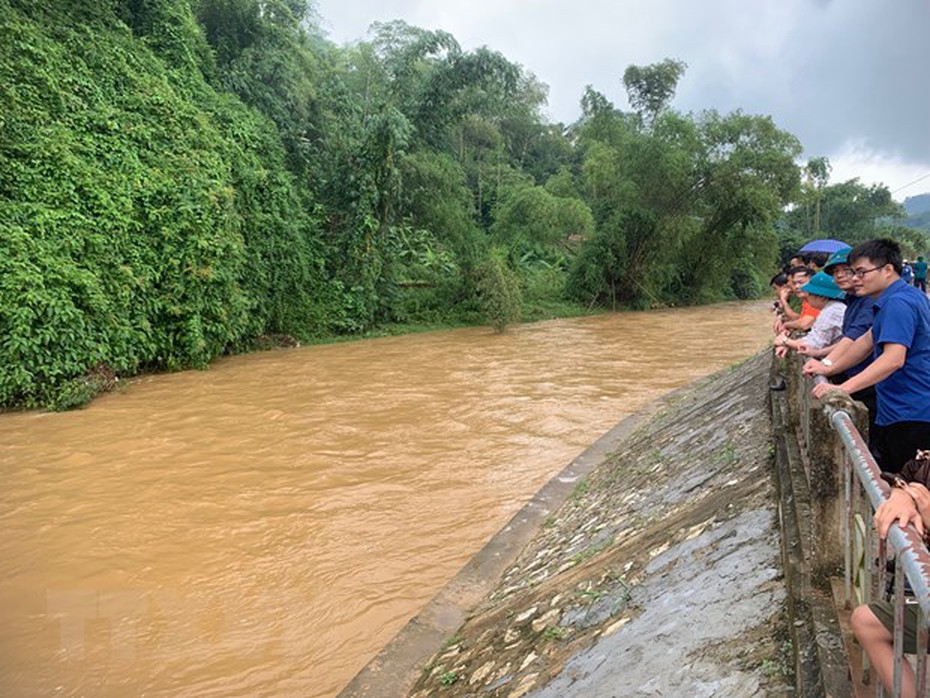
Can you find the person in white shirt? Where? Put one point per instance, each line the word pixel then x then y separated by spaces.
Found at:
pixel 824 295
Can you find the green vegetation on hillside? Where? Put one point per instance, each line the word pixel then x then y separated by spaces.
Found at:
pixel 182 178
pixel 917 209
pixel 848 211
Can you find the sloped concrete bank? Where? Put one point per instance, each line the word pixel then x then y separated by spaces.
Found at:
pixel 649 567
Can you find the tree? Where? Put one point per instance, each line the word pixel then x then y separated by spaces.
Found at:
pixel 858 211
pixel 263 55
pixel 650 88
pixel 499 291
pixel 530 215
pixel 604 271
pixel 747 174
pixel 849 211
pixel 562 183
pixel 600 120
pixel 626 168
pixel 816 176
pixel 436 198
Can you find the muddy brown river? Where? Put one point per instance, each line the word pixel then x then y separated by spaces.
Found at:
pixel 266 526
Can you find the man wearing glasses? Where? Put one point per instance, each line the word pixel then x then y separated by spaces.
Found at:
pixel 857 321
pixel 899 342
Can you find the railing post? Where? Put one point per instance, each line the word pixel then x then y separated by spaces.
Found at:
pixel 922 642
pixel 846 487
pixel 793 382
pixel 826 456
pixel 823 457
pixel 848 529
pixel 898 624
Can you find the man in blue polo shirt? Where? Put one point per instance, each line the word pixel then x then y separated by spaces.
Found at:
pixel 900 345
pixel 856 322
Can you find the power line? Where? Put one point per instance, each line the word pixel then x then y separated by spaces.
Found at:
pixel 919 179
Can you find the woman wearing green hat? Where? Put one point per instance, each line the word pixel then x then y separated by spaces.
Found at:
pixel 823 294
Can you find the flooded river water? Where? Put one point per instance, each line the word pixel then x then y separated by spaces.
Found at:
pixel 264 527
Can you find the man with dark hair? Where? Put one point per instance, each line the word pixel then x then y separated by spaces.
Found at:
pixel 798 260
pixel 779 284
pixel 817 260
pixel 900 344
pixel 803 318
pixel 860 312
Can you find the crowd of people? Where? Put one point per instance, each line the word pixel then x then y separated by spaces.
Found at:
pixel 861 316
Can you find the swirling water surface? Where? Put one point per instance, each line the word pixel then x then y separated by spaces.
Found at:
pixel 266 526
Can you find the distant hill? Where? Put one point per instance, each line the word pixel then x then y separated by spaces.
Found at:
pixel 918 211
pixel 917 204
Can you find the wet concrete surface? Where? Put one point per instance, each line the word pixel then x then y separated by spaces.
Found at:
pixel 659 575
pixel 692 598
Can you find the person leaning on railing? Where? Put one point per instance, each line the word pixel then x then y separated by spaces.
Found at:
pixel 900 344
pixel 790 318
pixel 779 284
pixel 826 297
pixel 860 312
pixel 873 624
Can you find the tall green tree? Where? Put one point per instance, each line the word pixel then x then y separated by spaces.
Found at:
pixel 816 176
pixel 849 211
pixel 650 88
pixel 747 175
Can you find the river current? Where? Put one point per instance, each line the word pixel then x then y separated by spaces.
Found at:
pixel 266 526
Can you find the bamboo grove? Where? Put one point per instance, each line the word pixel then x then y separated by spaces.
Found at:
pixel 180 179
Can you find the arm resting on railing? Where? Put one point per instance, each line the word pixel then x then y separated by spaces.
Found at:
pixel 857 352
pixel 890 360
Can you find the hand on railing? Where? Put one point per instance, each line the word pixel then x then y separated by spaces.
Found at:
pixel 902 506
pixel 815 367
pixel 822 387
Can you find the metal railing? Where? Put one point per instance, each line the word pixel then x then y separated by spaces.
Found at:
pixel 865 554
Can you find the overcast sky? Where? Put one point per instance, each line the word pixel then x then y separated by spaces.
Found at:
pixel 847 77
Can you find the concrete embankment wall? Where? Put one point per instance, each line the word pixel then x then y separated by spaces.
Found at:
pixel 651 566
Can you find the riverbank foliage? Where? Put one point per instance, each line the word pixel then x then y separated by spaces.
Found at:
pixel 181 177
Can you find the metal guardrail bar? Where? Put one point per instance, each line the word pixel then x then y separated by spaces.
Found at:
pixel 848 529
pixel 906 542
pixel 910 553
pixel 923 633
pixel 865 554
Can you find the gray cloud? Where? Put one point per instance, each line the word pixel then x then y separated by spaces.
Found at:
pixel 862 70
pixel 833 73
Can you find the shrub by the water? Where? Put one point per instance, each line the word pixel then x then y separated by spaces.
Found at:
pixel 499 291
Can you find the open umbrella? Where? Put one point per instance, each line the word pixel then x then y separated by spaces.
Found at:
pixel 825 245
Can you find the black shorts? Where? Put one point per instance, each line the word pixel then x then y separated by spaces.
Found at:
pixel 893 445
